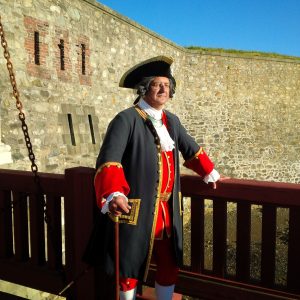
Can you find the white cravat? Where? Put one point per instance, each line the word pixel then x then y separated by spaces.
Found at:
pixel 166 142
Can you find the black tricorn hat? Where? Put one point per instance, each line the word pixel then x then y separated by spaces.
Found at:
pixel 155 66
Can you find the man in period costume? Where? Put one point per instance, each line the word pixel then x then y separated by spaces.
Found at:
pixel 139 159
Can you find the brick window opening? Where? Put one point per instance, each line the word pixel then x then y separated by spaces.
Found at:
pixel 62 54
pixel 92 129
pixel 83 59
pixel 37 48
pixel 71 130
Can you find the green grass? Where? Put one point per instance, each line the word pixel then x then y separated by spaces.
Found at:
pixel 242 52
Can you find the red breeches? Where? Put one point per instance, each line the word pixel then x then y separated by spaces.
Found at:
pixel 164 257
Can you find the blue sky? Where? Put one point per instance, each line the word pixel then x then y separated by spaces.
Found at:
pixel 252 25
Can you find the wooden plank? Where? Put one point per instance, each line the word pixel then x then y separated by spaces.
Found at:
pixel 255 192
pixel 293 274
pixel 219 237
pixel 79 205
pixel 197 234
pixel 243 236
pixel 20 226
pixel 54 232
pixel 81 196
pixel 24 181
pixel 268 245
pixel 36 277
pixel 37 233
pixel 208 287
pixel 6 230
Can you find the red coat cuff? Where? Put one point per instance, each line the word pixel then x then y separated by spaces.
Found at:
pixel 200 163
pixel 109 178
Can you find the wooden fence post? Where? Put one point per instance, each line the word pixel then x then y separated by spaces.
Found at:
pixel 79 206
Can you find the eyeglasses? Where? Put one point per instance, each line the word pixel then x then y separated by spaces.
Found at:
pixel 158 85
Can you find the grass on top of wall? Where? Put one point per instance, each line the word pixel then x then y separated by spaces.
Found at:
pixel 243 52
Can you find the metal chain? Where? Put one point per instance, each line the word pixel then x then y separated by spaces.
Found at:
pixel 19 104
pixel 34 167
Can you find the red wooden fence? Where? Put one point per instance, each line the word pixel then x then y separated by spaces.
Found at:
pixel 20 203
pixel 23 258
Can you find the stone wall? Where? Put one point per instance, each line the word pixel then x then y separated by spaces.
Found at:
pixel 244 110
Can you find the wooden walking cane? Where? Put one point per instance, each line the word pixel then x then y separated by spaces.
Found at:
pixel 131 218
pixel 117 259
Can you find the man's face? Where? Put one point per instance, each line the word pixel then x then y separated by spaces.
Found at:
pixel 159 92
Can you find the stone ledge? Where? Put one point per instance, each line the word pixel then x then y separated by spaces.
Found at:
pixel 5 154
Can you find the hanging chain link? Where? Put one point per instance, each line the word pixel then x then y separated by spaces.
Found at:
pixel 19 104
pixel 34 167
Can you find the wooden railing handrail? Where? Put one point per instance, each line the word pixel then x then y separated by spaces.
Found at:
pixel 245 193
pixel 260 192
pixel 24 181
pixel 76 187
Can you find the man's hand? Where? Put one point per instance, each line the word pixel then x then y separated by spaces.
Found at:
pixel 214 184
pixel 118 205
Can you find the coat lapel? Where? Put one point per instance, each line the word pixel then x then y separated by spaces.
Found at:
pixel 170 126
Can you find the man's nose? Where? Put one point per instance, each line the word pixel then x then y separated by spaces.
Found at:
pixel 162 87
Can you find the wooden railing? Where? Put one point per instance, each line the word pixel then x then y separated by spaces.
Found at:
pixel 32 254
pixel 23 258
pixel 245 193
